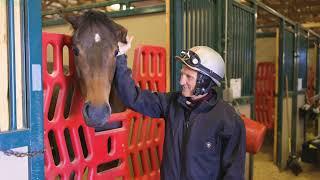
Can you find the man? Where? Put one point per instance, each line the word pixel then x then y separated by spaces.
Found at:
pixel 204 136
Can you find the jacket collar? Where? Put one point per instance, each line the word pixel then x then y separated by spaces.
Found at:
pixel 202 106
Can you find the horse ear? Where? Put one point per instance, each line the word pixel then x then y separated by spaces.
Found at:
pixel 73 20
pixel 122 34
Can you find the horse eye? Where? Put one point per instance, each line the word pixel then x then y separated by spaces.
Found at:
pixel 75 51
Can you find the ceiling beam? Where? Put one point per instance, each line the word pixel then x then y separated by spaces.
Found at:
pixel 311 25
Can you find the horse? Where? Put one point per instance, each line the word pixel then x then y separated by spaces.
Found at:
pixel 95 45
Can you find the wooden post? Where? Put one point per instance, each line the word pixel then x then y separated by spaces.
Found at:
pixel 4 106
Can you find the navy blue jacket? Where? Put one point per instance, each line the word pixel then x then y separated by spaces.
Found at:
pixel 212 147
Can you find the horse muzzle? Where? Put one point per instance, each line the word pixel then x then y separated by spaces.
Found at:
pixel 96 116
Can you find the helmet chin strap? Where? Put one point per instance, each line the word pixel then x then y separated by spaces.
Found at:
pixel 203 84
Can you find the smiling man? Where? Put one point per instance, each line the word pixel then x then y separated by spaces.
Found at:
pixel 204 136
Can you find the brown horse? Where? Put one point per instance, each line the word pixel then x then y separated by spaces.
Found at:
pixel 95 45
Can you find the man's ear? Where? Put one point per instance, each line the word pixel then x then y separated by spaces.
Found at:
pixel 73 20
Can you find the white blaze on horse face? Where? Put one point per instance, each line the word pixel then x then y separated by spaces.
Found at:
pixel 97 38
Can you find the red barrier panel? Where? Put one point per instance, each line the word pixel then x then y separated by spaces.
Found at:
pixel 264 94
pixel 75 151
pixel 150 73
pixel 255 133
pixel 310 83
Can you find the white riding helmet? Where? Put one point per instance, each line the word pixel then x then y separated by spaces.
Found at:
pixel 204 60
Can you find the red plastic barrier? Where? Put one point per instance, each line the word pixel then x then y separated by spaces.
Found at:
pixel 255 133
pixel 310 83
pixel 149 72
pixel 264 97
pixel 74 150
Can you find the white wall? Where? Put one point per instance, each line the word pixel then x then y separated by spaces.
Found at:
pixel 14 168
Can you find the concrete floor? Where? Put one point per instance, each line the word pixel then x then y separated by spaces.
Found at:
pixel 264 169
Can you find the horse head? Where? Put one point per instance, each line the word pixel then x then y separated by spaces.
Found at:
pixel 95 45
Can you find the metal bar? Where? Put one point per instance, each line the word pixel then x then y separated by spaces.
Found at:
pixel 294 97
pixel 124 13
pixel 280 91
pixel 12 69
pixel 217 17
pixel 247 58
pixel 232 41
pixel 289 57
pixel 17 138
pixel 201 23
pixel 241 49
pixel 318 68
pixel 23 58
pixel 253 75
pixel 176 19
pixel 191 10
pixel 302 59
pixel 309 30
pixel 253 52
pixel 187 24
pixel 196 23
pixel 205 22
pixel 244 7
pixel 272 11
pixel 88 6
pixel 307 59
pixel 246 61
pixel 208 10
pixel 34 90
pixel 237 64
pixel 313 33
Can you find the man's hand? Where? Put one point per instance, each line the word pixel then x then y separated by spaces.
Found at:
pixel 123 48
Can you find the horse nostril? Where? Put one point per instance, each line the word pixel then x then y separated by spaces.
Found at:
pixel 96 116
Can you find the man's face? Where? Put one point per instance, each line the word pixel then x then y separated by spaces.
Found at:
pixel 188 79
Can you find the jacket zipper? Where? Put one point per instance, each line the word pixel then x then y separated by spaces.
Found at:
pixel 187 124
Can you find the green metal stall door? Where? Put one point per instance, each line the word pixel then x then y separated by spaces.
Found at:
pixel 303 56
pixel 193 23
pixel 289 58
pixel 241 46
pixel 200 23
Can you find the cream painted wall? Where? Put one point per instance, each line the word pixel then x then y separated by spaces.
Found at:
pixel 312 58
pixel 300 102
pixel 266 49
